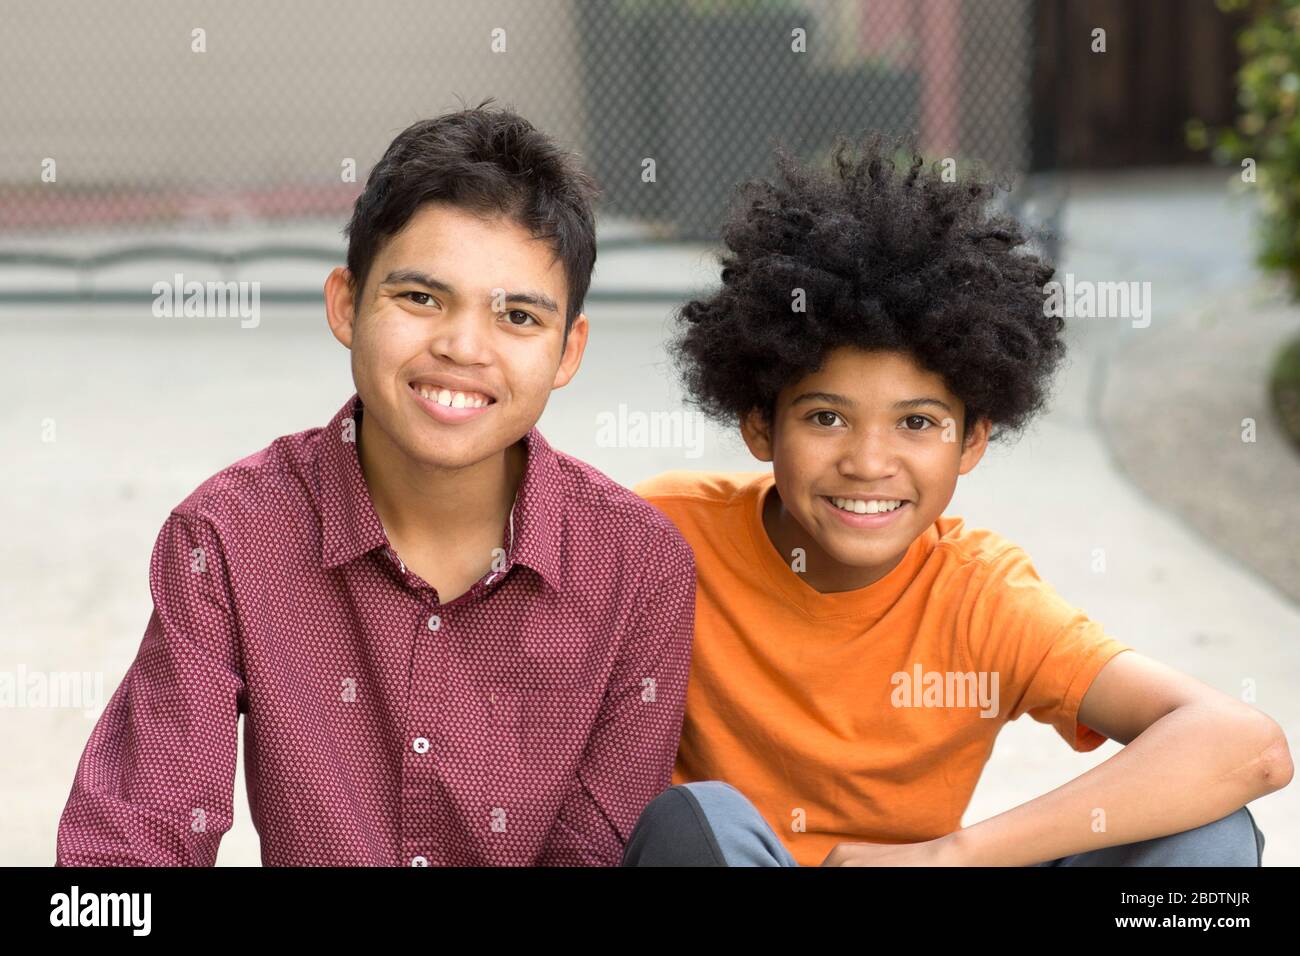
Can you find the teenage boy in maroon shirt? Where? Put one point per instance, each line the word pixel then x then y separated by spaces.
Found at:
pixel 451 644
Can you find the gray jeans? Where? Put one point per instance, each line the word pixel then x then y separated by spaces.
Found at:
pixel 711 823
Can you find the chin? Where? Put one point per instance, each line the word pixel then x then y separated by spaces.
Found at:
pixel 864 548
pixel 443 452
pixel 866 557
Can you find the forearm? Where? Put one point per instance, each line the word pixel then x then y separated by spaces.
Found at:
pixel 1195 765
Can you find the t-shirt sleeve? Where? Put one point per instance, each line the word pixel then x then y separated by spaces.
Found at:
pixel 1044 650
pixel 661 484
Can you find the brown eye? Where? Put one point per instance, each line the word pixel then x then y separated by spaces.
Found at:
pixel 821 418
pixel 919 421
pixel 526 315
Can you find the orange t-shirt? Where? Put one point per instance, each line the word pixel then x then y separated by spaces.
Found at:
pixel 865 715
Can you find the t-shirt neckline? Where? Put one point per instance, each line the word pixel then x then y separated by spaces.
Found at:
pixel 871 601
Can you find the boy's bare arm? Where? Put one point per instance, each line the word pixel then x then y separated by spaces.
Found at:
pixel 1193 755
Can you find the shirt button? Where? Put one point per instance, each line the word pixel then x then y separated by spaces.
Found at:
pixel 420 745
pixel 435 622
pixel 419 861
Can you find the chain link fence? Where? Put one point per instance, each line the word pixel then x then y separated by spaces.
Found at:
pixel 125 119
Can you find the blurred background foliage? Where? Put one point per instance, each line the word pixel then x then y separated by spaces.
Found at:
pixel 1267 129
pixel 1267 135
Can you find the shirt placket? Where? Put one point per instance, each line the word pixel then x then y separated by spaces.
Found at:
pixel 424 745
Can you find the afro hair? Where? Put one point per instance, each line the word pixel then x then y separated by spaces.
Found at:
pixel 886 259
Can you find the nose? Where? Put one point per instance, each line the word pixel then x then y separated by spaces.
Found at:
pixel 463 336
pixel 869 455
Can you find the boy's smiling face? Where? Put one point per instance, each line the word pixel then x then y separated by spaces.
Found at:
pixel 469 303
pixel 866 425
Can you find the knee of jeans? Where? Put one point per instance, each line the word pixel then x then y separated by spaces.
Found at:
pixel 1230 841
pixel 659 801
pixel 666 807
pixel 663 810
pixel 709 785
pixel 1259 834
pixel 714 791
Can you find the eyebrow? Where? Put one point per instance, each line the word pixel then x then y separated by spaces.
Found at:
pixel 832 399
pixel 399 276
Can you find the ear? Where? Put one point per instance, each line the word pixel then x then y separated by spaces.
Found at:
pixel 574 345
pixel 340 306
pixel 973 449
pixel 757 432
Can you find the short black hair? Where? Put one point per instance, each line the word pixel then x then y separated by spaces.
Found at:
pixel 485 160
pixel 888 259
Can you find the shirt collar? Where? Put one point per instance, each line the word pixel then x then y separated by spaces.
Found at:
pixel 350 525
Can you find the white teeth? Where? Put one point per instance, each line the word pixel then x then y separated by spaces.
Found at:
pixel 452 399
pixel 858 506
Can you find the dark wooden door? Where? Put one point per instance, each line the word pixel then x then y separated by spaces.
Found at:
pixel 1166 61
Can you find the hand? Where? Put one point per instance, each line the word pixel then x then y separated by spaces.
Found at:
pixel 940 852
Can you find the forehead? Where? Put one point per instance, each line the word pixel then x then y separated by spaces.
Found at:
pixel 884 372
pixel 476 247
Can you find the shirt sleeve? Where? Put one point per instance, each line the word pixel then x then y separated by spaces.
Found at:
pixel 155 783
pixel 1044 651
pixel 630 755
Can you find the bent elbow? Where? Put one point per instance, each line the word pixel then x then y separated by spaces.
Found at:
pixel 1273 763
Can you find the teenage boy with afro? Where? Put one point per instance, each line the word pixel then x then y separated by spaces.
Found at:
pixel 856 650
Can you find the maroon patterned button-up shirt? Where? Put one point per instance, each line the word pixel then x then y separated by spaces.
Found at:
pixel 527 722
